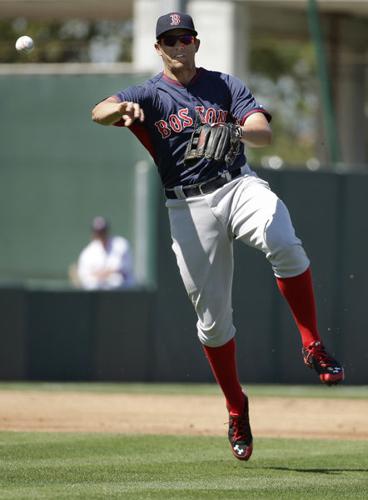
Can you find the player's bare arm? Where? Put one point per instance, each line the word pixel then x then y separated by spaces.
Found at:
pixel 111 110
pixel 256 131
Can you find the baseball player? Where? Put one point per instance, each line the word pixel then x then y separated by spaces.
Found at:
pixel 196 124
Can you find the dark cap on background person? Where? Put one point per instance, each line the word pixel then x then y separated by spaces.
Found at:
pixel 99 224
pixel 173 21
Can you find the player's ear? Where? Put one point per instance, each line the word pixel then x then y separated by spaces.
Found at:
pixel 158 48
pixel 197 44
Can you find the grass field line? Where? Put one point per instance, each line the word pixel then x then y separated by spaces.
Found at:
pixel 262 390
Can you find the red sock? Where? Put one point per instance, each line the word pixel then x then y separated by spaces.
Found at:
pixel 223 363
pixel 298 291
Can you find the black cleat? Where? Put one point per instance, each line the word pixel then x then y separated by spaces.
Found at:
pixel 240 435
pixel 330 371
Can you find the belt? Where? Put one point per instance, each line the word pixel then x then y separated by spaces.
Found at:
pixel 182 192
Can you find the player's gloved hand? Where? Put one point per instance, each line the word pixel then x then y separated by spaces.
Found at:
pixel 219 142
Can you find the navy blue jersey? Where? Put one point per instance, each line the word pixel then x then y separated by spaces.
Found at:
pixel 170 110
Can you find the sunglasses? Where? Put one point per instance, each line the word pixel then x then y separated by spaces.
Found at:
pixel 170 40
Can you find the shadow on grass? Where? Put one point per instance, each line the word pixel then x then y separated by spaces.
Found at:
pixel 317 470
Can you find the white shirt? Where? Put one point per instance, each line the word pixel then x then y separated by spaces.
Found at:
pixel 116 257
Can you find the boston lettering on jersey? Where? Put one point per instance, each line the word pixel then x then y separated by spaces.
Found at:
pixel 171 111
pixel 181 119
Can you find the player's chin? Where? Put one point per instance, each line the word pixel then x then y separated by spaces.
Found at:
pixel 179 59
pixel 177 63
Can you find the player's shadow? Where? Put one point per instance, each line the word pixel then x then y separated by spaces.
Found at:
pixel 316 470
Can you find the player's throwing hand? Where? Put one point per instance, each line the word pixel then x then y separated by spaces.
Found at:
pixel 111 111
pixel 130 111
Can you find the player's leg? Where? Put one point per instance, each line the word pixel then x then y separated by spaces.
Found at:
pixel 222 360
pixel 263 222
pixel 204 256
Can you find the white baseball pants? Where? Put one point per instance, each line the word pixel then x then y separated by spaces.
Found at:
pixel 203 229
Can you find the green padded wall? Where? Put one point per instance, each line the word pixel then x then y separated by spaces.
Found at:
pixel 58 169
pixel 150 335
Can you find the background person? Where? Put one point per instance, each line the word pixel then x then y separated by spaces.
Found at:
pixel 106 262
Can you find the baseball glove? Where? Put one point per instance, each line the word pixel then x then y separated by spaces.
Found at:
pixel 219 142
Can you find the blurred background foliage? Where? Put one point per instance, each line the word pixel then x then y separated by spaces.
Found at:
pixel 283 77
pixel 73 40
pixel 282 74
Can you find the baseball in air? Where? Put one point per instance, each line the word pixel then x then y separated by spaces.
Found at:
pixel 24 44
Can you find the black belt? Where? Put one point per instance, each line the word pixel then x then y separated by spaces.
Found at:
pixel 181 192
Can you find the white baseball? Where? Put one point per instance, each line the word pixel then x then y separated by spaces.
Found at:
pixel 24 44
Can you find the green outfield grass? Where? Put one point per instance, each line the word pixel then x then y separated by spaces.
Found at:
pixel 107 466
pixel 306 391
pixel 96 466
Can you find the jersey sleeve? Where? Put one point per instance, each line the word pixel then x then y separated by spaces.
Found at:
pixel 243 103
pixel 143 95
pixel 137 93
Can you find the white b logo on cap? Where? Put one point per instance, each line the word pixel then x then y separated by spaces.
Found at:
pixel 175 19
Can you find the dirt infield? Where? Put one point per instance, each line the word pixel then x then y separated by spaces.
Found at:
pixel 178 414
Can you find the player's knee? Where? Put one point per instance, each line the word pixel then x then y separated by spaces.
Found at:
pixel 214 335
pixel 289 260
pixel 283 249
